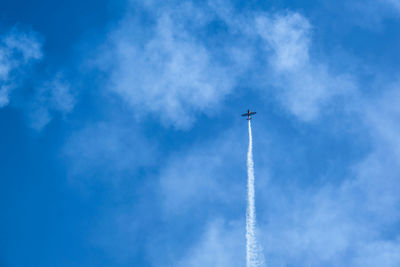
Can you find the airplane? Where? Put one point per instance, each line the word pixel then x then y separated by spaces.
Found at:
pixel 248 114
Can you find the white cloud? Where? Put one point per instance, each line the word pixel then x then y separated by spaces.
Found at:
pixel 370 15
pixel 349 222
pixel 166 71
pixel 354 222
pixel 23 44
pixel 51 97
pixel 222 245
pixel 108 150
pixel 380 253
pixel 289 37
pixel 307 83
pixel 393 3
pixel 381 113
pixel 171 74
pixel 18 50
pixel 200 173
pixel 377 174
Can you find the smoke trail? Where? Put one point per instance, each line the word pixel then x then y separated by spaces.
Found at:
pixel 252 259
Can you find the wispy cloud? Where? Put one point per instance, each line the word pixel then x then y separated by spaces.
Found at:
pixel 168 71
pixel 199 173
pixel 18 51
pixel 350 221
pixel 361 213
pixel 94 151
pixel 284 60
pixel 379 253
pixel 162 68
pixel 222 244
pixel 165 70
pixel 54 96
pixel 393 3
pixel 307 84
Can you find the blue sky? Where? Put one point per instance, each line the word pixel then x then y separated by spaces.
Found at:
pixel 121 142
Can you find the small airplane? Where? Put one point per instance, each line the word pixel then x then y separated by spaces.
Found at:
pixel 248 114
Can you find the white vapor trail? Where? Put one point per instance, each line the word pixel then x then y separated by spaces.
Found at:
pixel 252 259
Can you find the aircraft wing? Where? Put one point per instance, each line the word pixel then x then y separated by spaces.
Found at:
pixel 245 114
pixel 252 113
